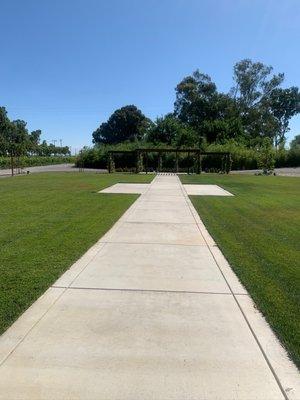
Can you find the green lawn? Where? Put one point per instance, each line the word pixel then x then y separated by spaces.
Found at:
pixel 258 231
pixel 48 221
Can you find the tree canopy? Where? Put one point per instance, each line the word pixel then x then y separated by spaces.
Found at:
pixel 295 143
pixel 125 124
pixel 256 107
pixel 17 141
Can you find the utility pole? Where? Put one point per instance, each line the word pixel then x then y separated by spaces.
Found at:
pixel 60 141
pixel 54 141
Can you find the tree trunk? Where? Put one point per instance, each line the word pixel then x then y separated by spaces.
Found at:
pixel 12 164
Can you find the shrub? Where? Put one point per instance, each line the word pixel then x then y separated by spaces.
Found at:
pixel 266 156
pixel 242 157
pixel 34 161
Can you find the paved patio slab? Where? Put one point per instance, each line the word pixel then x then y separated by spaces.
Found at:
pixel 132 266
pixel 135 188
pixel 178 215
pixel 100 345
pixel 155 232
pixel 165 192
pixel 206 190
pixel 159 205
pixel 150 196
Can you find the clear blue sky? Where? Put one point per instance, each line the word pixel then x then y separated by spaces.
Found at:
pixel 66 65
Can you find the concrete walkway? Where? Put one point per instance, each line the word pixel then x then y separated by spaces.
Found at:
pixel 151 312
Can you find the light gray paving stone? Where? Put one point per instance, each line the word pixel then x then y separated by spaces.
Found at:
pixel 166 185
pixel 153 232
pixel 133 266
pixel 18 331
pixel 182 215
pixel 159 205
pixel 231 278
pixel 206 190
pixel 164 198
pixel 67 278
pixel 112 345
pixel 126 188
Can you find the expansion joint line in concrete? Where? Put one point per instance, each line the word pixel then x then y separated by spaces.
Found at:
pixel 163 244
pixel 237 302
pixel 145 290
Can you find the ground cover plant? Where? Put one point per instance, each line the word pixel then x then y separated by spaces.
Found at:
pixel 258 231
pixel 47 222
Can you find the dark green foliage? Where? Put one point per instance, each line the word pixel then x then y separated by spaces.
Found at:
pixel 17 143
pixel 164 130
pixel 256 109
pixel 45 149
pixel 243 157
pixel 265 107
pixel 266 156
pixel 171 131
pixel 125 124
pixel 258 232
pixel 295 143
pixel 293 158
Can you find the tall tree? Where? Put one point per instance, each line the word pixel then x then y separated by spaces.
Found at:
pixel 18 140
pixel 284 104
pixel 34 140
pixel 255 108
pixel 195 96
pixel 5 126
pixel 253 82
pixel 265 107
pixel 14 138
pixel 170 130
pixel 125 124
pixel 213 115
pixel 295 143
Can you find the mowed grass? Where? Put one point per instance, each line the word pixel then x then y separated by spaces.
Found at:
pixel 48 221
pixel 258 231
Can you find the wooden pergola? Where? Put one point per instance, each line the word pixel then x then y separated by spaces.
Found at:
pixel 139 153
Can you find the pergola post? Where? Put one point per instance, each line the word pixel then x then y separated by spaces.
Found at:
pixel 228 163
pixel 146 162
pixel 159 166
pixel 111 164
pixel 176 162
pixel 138 161
pixel 199 163
pixel 223 164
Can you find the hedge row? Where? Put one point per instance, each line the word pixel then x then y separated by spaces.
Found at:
pixel 242 158
pixel 34 161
